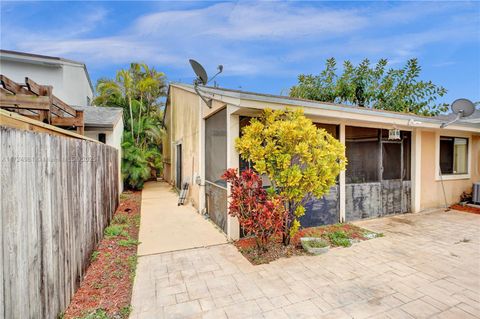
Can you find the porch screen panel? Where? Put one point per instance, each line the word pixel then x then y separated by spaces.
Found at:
pixel 407 155
pixel 363 151
pixel 215 166
pixel 216 147
pixel 216 201
pixel 392 161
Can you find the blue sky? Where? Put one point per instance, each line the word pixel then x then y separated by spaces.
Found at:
pixel 262 45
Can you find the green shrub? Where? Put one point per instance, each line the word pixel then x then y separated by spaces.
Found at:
pixel 135 169
pixel 115 230
pixel 339 238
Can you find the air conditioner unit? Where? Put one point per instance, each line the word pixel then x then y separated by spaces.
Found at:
pixel 476 193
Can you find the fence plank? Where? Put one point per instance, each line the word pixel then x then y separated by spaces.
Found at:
pixel 58 194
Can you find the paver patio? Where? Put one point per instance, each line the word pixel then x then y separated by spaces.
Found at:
pixel 427 265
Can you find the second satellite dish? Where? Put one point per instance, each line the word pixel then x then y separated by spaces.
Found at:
pixel 461 108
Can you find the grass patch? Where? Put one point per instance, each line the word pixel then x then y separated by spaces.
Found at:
pixel 105 292
pixel 115 230
pixel 96 314
pixel 120 219
pixel 339 238
pixel 125 311
pixel 316 243
pixel 94 256
pixel 128 242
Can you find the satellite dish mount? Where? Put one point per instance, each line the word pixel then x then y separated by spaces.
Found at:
pixel 202 79
pixel 462 108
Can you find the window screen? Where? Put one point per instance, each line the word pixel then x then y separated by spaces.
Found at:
pixel 216 147
pixel 453 155
pixel 362 150
pixel 392 160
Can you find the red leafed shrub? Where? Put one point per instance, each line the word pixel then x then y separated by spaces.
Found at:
pixel 259 214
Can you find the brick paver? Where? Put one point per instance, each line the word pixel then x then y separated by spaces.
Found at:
pixel 426 266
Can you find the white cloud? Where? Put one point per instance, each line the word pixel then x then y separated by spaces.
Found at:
pixel 243 35
pixel 251 21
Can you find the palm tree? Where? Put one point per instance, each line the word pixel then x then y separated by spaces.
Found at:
pixel 125 80
pixel 137 90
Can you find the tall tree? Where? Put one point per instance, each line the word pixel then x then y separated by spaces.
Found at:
pixel 138 90
pixel 377 87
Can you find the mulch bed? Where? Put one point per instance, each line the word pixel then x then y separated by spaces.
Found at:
pixel 276 250
pixel 106 289
pixel 468 209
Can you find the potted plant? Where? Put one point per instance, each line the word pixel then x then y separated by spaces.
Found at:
pixel 314 245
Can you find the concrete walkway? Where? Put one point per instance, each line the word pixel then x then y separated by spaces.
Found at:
pixel 426 266
pixel 167 227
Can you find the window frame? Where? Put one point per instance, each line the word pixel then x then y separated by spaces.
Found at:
pixel 452 176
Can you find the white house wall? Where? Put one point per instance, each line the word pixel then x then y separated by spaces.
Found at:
pixel 69 81
pixel 114 139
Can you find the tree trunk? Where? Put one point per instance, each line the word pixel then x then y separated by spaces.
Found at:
pixel 139 116
pixel 131 115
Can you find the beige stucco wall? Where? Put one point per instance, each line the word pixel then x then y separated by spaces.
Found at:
pixel 185 123
pixel 431 187
pixel 182 121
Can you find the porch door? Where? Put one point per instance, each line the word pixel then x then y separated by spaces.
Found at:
pixel 392 173
pixel 178 175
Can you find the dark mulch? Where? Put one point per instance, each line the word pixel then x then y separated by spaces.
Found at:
pixel 468 209
pixel 276 250
pixel 106 289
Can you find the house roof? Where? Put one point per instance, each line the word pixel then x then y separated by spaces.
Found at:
pixel 474 118
pixel 261 97
pixel 100 117
pixel 45 59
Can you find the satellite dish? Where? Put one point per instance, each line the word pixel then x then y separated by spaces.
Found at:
pixel 202 76
pixel 462 108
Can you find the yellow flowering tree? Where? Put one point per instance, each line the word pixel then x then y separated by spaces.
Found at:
pixel 300 159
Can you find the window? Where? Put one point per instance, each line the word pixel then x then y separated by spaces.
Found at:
pixel 102 137
pixel 453 155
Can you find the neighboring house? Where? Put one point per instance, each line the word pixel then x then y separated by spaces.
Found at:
pixel 70 80
pixel 105 124
pixel 71 83
pixel 384 176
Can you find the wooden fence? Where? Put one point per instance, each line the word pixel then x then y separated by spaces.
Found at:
pixel 57 196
